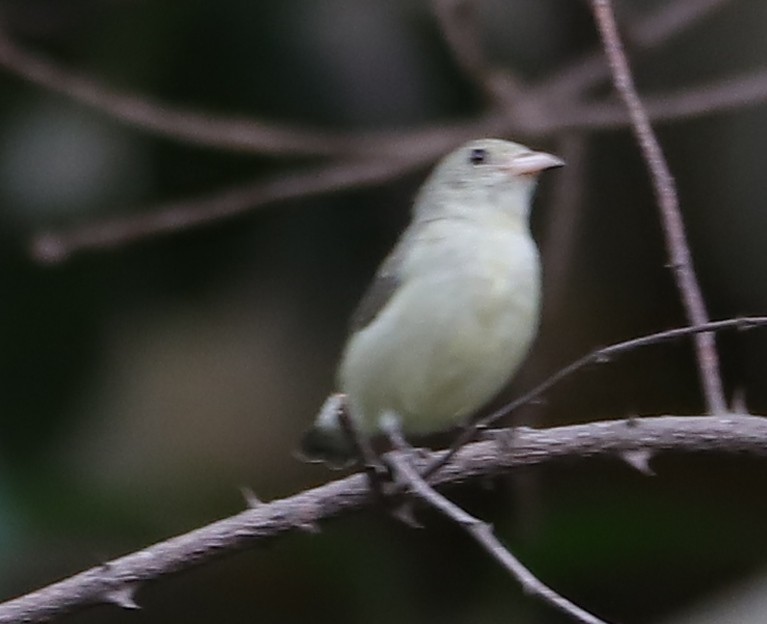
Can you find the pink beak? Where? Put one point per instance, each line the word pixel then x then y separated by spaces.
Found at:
pixel 533 162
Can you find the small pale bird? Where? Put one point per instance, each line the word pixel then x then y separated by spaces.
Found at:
pixel 453 309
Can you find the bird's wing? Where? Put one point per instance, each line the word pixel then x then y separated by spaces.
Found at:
pixel 380 291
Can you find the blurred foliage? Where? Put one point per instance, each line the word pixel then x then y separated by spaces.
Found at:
pixel 141 387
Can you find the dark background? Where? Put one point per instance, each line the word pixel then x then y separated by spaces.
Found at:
pixel 141 387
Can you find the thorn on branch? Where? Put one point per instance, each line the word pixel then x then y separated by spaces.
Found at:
pixel 404 512
pixel 251 500
pixel 123 596
pixel 746 323
pixel 602 358
pixel 738 404
pixel 639 459
pixel 309 526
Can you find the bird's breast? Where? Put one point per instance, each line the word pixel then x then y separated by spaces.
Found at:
pixel 457 328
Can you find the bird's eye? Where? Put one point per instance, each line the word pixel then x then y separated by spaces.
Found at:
pixel 478 156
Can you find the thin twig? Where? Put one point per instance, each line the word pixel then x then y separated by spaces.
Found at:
pixel 714 97
pixel 669 20
pixel 54 247
pixel 648 32
pixel 595 357
pixel 668 204
pixel 483 534
pixel 457 19
pixel 530 447
pixel 233 134
pixel 140 111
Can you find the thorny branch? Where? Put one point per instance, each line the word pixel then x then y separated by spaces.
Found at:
pixel 117 582
pixel 481 531
pixel 668 204
pixel 603 355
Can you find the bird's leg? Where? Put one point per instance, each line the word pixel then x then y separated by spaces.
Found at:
pixel 404 508
pixel 378 474
pixel 388 491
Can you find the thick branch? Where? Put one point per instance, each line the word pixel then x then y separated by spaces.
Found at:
pixel 112 582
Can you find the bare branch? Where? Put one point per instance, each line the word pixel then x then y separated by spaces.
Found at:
pixel 458 24
pixel 649 31
pixel 718 96
pixel 139 110
pixel 599 356
pixel 175 216
pixel 668 204
pixel 502 452
pixel 482 533
pixel 670 20
pixel 221 132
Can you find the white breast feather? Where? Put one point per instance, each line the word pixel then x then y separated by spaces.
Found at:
pixel 457 329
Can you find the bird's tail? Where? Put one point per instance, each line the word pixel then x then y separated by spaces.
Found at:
pixel 326 441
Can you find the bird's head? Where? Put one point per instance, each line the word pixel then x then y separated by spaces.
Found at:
pixel 484 176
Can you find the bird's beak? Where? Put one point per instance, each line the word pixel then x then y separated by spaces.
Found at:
pixel 531 163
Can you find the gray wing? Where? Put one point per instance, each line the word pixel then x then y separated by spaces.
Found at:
pixel 380 291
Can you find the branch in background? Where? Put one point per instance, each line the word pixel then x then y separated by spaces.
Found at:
pixel 671 19
pixel 541 112
pixel 53 247
pixel 226 133
pixel 114 581
pixel 140 111
pixel 418 150
pixel 648 32
pixel 717 96
pixel 457 19
pixel 668 204
pixel 409 476
pixel 271 138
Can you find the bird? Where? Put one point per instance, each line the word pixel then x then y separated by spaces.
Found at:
pixel 453 309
